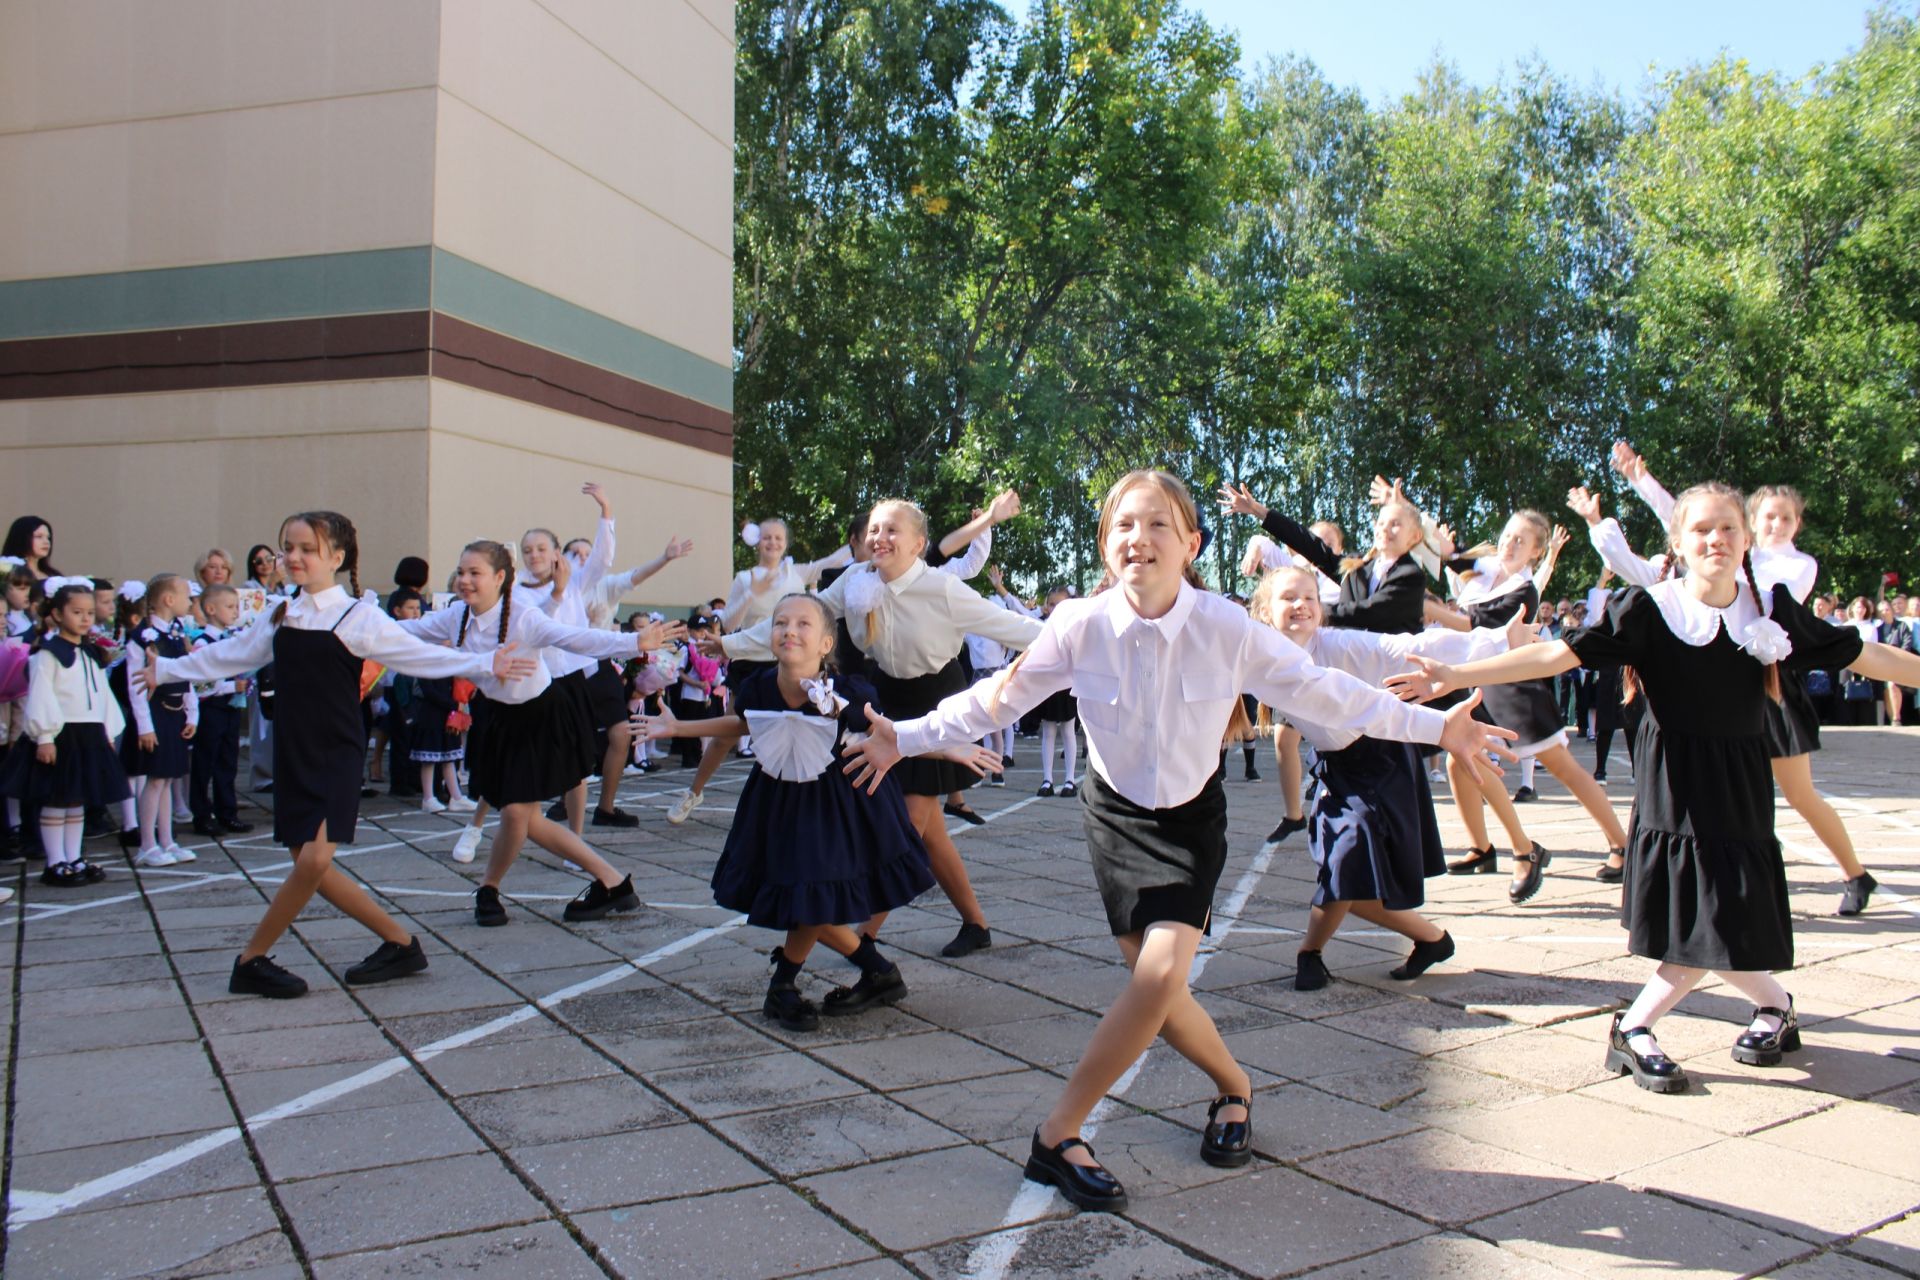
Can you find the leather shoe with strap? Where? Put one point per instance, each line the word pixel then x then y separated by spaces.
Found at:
pixel 1228 1144
pixel 1085 1186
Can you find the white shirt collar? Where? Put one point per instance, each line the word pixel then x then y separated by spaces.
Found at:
pixel 319 601
pixel 1121 613
pixel 907 579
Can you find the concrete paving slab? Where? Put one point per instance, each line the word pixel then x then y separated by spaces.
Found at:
pixel 701 1237
pixel 922 1200
pixel 401 1203
pixel 1895 1245
pixel 564 1112
pixel 754 1084
pixel 1088 1246
pixel 1860 1134
pixel 1443 1177
pixel 634 1167
pixel 902 1062
pixel 192 1236
pixel 344 1141
pixel 1744 1177
pixel 831 1135
pixel 119 1088
pixel 1607 1230
pixel 231 1168
pixel 1442 1257
pixel 540 1251
pixel 1585 1134
pixel 490 1065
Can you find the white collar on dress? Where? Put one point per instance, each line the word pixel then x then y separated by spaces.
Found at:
pixel 1697 622
pixel 318 601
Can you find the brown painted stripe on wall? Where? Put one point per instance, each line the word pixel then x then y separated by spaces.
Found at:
pixel 344 348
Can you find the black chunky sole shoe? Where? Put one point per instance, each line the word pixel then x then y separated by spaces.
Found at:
pixel 1423 957
pixel 598 900
pixel 1854 897
pixel 971 938
pixel 1228 1144
pixel 614 818
pixel 871 989
pixel 260 976
pixel 1484 862
pixel 1536 862
pixel 1655 1072
pixel 1310 972
pixel 1759 1049
pixel 793 1011
pixel 487 911
pixel 1086 1187
pixel 390 960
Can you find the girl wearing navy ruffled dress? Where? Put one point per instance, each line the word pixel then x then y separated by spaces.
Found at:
pixel 807 852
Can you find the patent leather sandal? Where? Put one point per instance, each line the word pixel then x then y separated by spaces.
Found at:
pixel 1228 1144
pixel 1084 1186
pixel 1536 862
pixel 1477 862
pixel 1764 1049
pixel 1652 1071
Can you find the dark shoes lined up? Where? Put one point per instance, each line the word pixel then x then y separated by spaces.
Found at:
pixel 1226 1144
pixel 260 976
pixel 1633 1051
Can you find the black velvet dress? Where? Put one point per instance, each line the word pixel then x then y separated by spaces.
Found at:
pixel 1705 886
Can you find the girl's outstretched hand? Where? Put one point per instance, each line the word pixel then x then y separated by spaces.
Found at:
pixel 1470 740
pixel 658 635
pixel 1521 630
pixel 1432 679
pixel 507 665
pixel 1241 502
pixel 974 757
pixel 870 759
pixel 1584 503
pixel 677 547
pixel 593 490
pixel 710 646
pixel 652 728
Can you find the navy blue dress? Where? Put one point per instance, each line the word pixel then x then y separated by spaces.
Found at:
pixel 1372 832
pixel 172 755
pixel 819 852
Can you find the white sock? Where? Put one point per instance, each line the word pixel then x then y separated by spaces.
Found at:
pixel 53 834
pixel 1667 987
pixel 153 800
pixel 1526 772
pixel 76 832
pixel 1070 746
pixel 1006 741
pixel 1764 990
pixel 1046 752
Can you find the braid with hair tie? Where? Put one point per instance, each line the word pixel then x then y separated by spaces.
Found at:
pixel 506 608
pixel 466 616
pixel 1772 680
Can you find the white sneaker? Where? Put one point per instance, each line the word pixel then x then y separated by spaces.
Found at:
pixel 683 807
pixel 180 853
pixel 462 804
pixel 6 894
pixel 632 771
pixel 431 804
pixel 466 845
pixel 154 857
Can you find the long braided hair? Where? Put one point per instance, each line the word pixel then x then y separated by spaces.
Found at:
pixel 500 559
pixel 335 533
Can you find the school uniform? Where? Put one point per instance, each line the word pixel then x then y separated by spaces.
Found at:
pixel 430 741
pixel 1156 696
pixel 216 743
pixel 1491 598
pixel 1793 726
pixel 1705 885
pixel 69 706
pixel 754 593
pixel 600 698
pixel 165 713
pixel 1390 598
pixel 913 629
pixel 318 649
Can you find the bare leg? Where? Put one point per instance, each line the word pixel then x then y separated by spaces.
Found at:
pixel 1160 959
pixel 1409 924
pixel 507 840
pixel 313 871
pixel 562 842
pixel 576 800
pixel 1286 745
pixel 948 869
pixel 1467 799
pixel 613 765
pixel 799 943
pixel 377 769
pixel 1591 795
pixel 1502 805
pixel 1322 923
pixel 710 761
pixel 1794 775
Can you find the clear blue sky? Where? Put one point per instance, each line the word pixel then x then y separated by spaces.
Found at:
pixel 1381 46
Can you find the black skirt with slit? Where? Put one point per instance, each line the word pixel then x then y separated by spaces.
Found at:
pixel 1155 865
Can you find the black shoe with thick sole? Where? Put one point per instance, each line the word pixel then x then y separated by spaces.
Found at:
pixel 598 900
pixel 1536 873
pixel 1228 1144
pixel 1653 1071
pixel 1477 862
pixel 1086 1187
pixel 1068 790
pixel 1253 775
pixel 233 826
pixel 487 911
pixel 872 988
pixel 1424 956
pixel 260 976
pixel 1525 795
pixel 1760 1049
pixel 389 960
pixel 1853 898
pixel 1310 971
pixel 1045 789
pixel 971 938
pixel 964 813
pixel 557 811
pixel 1287 827
pixel 62 875
pixel 793 1011
pixel 614 818
pixel 90 874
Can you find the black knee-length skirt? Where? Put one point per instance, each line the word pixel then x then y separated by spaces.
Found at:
pixel 1155 865
pixel 85 770
pixel 915 696
pixel 529 751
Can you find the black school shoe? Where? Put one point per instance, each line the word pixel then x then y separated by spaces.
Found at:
pixel 1287 827
pixel 63 875
pixel 1477 862
pixel 964 813
pixel 89 874
pixel 487 911
pixel 557 811
pixel 598 900
pixel 1761 1049
pixel 1228 1144
pixel 1536 873
pixel 1607 873
pixel 1310 971
pixel 1524 795
pixel 1853 898
pixel 1654 1071
pixel 794 1012
pixel 1091 1188
pixel 1068 790
pixel 233 826
pixel 389 960
pixel 971 938
pixel 1424 956
pixel 1046 789
pixel 873 988
pixel 260 976
pixel 613 818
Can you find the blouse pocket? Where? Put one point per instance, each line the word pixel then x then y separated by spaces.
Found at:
pixel 1209 691
pixel 1099 699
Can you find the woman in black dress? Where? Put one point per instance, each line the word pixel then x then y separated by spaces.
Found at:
pixel 1705 888
pixel 318 642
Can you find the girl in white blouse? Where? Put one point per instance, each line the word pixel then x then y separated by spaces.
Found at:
pixel 1158 665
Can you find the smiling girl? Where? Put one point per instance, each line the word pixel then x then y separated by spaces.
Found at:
pixel 1705 888
pixel 1158 664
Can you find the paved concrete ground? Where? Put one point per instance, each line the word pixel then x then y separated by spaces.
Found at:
pixel 555 1101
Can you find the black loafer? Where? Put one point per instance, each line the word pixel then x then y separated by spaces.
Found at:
pixel 1068 790
pixel 1477 862
pixel 1536 872
pixel 233 826
pixel 1228 1144
pixel 1853 898
pixel 1084 1186
pixel 793 1011
pixel 1758 1049
pixel 971 938
pixel 260 976
pixel 1608 873
pixel 1424 956
pixel 614 818
pixel 390 960
pixel 598 900
pixel 487 911
pixel 1287 827
pixel 873 988
pixel 557 811
pixel 1310 972
pixel 963 813
pixel 1653 1071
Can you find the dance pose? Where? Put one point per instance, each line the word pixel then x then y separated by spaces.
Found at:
pixel 1159 665
pixel 318 642
pixel 1706 889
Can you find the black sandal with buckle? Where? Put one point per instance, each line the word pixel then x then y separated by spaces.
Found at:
pixel 1536 862
pixel 1228 1144
pixel 1086 1186
pixel 1761 1049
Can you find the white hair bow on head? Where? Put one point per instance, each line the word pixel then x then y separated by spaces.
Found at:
pixel 133 589
pixel 52 585
pixel 750 534
pixel 11 562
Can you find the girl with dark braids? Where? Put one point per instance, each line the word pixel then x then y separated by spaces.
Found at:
pixel 530 742
pixel 318 642
pixel 1705 887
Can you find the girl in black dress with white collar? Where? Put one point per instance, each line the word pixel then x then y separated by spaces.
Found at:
pixel 1705 887
pixel 318 642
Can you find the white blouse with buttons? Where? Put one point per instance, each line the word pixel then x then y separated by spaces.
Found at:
pixel 1156 694
pixel 533 631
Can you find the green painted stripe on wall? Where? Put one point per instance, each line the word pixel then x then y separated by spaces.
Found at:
pixel 327 284
pixel 484 297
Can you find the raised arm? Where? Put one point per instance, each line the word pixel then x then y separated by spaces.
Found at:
pixel 624 583
pixel 599 560
pixel 966 566
pixel 1004 507
pixel 541 632
pixel 236 655
pixel 810 572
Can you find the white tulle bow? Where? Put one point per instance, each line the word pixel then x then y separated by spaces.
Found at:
pixel 1767 641
pixel 865 589
pixel 133 589
pixel 820 693
pixel 52 585
pixel 792 745
pixel 750 534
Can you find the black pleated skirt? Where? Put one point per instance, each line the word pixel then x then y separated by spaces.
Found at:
pixel 1155 865
pixel 906 699
pixel 606 696
pixel 86 770
pixel 1793 726
pixel 519 752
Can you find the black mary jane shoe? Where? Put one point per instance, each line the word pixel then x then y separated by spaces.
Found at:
pixel 1763 1049
pixel 1084 1186
pixel 1310 971
pixel 1046 789
pixel 1477 862
pixel 1068 790
pixel 1287 827
pixel 1608 872
pixel 794 1012
pixel 1653 1071
pixel 1228 1144
pixel 1536 862
pixel 1854 896
pixel 963 812
pixel 1423 957
pixel 873 988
